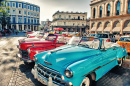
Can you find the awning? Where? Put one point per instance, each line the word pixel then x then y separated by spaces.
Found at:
pixel 93 29
pixel 100 29
pixel 127 29
pixel 116 29
pixel 107 29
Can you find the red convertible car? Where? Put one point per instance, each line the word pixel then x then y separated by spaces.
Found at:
pixel 29 48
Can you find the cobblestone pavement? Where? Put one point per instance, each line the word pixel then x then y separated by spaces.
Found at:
pixel 20 74
pixel 23 77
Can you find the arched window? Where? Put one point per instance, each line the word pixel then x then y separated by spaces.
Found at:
pixel 118 8
pixel 129 7
pixel 101 11
pixel 94 11
pixel 108 10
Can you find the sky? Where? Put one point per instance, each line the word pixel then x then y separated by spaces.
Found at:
pixel 49 7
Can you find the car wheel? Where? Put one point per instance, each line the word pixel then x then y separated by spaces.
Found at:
pixel 120 62
pixel 87 81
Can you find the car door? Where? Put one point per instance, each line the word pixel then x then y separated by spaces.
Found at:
pixel 109 54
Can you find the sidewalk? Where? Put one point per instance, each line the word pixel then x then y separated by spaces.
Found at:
pixel 126 63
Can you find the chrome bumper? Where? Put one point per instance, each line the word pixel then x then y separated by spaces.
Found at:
pixel 19 56
pixel 46 81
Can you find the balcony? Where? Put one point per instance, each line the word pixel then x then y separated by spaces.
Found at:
pixel 65 19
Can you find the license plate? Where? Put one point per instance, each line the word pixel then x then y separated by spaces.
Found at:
pixel 42 80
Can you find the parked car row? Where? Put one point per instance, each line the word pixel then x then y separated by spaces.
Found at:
pixel 76 61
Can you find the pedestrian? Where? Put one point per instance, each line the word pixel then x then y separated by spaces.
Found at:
pixel 16 31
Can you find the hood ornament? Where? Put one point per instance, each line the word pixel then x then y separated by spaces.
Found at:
pixel 47 63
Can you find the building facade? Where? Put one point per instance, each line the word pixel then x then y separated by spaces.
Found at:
pixel 112 16
pixel 46 25
pixel 69 21
pixel 23 15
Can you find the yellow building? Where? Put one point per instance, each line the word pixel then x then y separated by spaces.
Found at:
pixel 70 21
pixel 110 16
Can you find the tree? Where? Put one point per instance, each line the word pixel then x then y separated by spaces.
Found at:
pixel 4 16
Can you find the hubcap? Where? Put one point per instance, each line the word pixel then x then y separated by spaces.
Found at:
pixel 86 82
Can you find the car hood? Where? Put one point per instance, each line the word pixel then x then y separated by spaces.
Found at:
pixel 30 40
pixel 61 57
pixel 26 45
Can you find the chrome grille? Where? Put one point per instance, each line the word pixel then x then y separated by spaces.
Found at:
pixel 47 72
pixel 24 53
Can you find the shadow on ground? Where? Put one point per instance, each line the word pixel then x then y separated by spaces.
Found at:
pixel 26 69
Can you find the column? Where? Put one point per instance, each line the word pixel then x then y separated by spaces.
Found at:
pixel 122 26
pixel 104 10
pixel 122 7
pixel 111 26
pixel 30 28
pixel 33 28
pixel 91 13
pixel 114 9
pixel 11 26
pixel 90 26
pixel 80 31
pixel 96 16
pixel 96 27
pixel 22 26
pixel 112 4
pixel 17 27
pixel 0 26
pixel 126 6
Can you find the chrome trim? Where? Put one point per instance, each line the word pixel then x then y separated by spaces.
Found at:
pixel 46 72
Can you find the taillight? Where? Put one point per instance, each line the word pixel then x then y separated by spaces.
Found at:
pixel 108 40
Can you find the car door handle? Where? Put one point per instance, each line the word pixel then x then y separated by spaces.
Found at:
pixel 125 43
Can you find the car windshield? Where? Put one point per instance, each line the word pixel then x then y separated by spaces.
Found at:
pixel 85 42
pixel 127 39
pixel 51 37
pixel 73 33
pixel 101 35
pixel 92 35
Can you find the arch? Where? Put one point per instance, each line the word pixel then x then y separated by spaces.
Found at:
pixel 99 27
pixel 126 26
pixel 118 8
pixel 93 25
pixel 100 11
pixel 107 26
pixel 128 6
pixel 94 12
pixel 116 26
pixel 108 9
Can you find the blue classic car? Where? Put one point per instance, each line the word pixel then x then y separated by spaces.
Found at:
pixel 79 63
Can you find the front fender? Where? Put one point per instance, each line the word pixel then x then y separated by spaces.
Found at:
pixel 122 53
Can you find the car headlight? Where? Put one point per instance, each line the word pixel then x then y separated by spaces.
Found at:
pixel 34 59
pixel 68 73
pixel 28 50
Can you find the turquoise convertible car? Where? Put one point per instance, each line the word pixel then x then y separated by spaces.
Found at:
pixel 79 63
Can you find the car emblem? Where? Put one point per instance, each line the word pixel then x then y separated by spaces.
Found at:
pixel 47 63
pixel 33 44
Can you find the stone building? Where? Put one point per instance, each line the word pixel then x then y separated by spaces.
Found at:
pixel 112 16
pixel 23 15
pixel 70 21
pixel 46 25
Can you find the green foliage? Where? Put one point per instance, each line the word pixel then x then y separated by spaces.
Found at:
pixel 4 16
